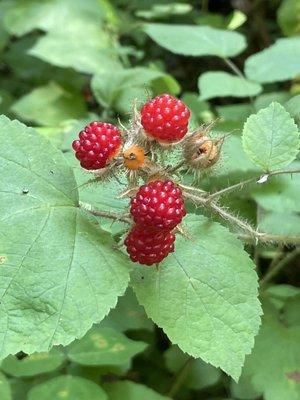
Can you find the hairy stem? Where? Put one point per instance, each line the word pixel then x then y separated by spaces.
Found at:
pixel 105 214
pixel 240 185
pixel 223 213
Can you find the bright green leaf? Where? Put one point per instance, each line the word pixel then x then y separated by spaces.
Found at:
pixel 192 40
pixel 204 296
pixel 35 364
pixel 5 391
pixel 279 62
pixel 67 387
pixel 59 271
pixel 221 84
pixel 127 390
pixel 50 105
pixel 104 346
pixel 271 138
pixel 200 375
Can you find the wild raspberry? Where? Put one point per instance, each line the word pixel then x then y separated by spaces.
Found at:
pixel 98 143
pixel 165 118
pixel 147 246
pixel 159 205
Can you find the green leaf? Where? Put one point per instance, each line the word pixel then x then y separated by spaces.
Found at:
pixel 200 375
pixel 128 314
pixel 204 296
pixel 22 17
pixel 59 270
pixel 271 138
pixel 67 388
pixel 104 346
pixel 109 86
pixel 288 17
pixel 293 107
pixel 5 391
pixel 35 364
pixel 50 105
pixel 221 84
pixel 243 389
pixel 280 194
pixel 234 112
pixel 127 390
pixel 276 376
pixel 192 40
pixel 265 99
pixel 279 62
pixel 280 223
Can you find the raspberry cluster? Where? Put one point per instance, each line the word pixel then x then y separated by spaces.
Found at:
pixel 156 209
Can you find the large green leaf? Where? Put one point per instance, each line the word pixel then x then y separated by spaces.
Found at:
pixel 279 62
pixel 204 296
pixel 5 392
pixel 192 40
pixel 50 105
pixel 274 362
pixel 221 84
pixel 59 271
pixel 67 388
pixel 104 346
pixel 35 364
pixel 271 138
pixel 127 390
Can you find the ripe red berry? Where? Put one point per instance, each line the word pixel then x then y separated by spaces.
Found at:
pixel 159 205
pixel 98 143
pixel 165 118
pixel 147 246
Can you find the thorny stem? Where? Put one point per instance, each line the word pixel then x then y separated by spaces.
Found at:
pixel 223 213
pixel 105 214
pixel 279 266
pixel 251 180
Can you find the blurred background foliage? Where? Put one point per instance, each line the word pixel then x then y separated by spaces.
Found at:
pixel 64 63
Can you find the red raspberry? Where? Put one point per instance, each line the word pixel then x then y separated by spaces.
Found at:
pixel 98 143
pixel 147 246
pixel 165 118
pixel 158 205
